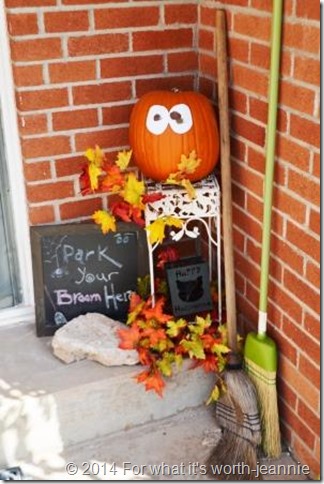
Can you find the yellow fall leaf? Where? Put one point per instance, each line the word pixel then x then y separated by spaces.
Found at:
pixel 173 221
pixel 173 178
pixel 133 191
pixel 123 159
pixel 220 349
pixel 218 391
pixel 214 395
pixel 94 173
pixel 188 164
pixel 175 327
pixel 162 345
pixel 195 348
pixel 178 360
pixel 156 229
pixel 165 364
pixel 200 325
pixel 222 329
pixel 189 188
pixel 95 156
pixel 106 221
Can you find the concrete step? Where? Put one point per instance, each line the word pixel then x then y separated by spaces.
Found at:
pixel 47 406
pixel 174 448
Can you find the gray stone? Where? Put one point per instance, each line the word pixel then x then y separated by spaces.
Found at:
pixel 92 336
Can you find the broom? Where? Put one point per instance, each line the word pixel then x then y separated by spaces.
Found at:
pixel 260 351
pixel 236 411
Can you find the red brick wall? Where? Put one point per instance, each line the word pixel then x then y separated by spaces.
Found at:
pixel 294 301
pixel 79 67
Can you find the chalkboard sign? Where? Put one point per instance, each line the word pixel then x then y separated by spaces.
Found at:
pixel 77 270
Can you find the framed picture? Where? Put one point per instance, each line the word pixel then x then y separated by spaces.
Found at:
pixel 77 269
pixel 189 286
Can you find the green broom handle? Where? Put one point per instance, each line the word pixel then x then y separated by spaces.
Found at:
pixel 270 156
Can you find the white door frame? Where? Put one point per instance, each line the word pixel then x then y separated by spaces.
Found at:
pixel 25 310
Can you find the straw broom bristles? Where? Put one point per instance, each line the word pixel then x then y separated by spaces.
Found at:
pixel 265 384
pixel 237 411
pixel 238 415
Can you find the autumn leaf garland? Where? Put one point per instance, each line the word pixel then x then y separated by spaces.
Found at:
pixel 162 343
pixel 102 176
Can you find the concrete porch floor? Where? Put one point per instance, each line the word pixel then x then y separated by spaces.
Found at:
pixel 174 448
pixel 101 421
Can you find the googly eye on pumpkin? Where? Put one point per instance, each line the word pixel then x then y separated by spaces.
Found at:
pixel 180 118
pixel 159 156
pixel 157 119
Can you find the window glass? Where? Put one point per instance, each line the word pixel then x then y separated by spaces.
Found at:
pixel 10 293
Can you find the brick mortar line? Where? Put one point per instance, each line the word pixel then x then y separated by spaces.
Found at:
pixel 261 149
pixel 307 257
pixel 283 188
pixel 292 388
pixel 107 31
pixel 70 155
pixel 90 6
pixel 266 43
pixel 249 11
pixel 292 80
pixel 296 414
pixel 304 307
pixel 298 198
pixel 102 57
pixel 94 82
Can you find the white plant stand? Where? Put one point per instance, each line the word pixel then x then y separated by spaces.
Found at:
pixel 204 209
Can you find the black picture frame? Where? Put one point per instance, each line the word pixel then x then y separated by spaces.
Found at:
pixel 77 269
pixel 189 286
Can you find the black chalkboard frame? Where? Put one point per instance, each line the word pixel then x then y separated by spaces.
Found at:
pixel 37 233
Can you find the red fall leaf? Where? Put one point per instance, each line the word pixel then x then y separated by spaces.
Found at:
pixel 152 197
pixel 84 181
pixel 169 254
pixel 121 210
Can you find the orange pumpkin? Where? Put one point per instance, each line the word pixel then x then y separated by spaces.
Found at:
pixel 167 124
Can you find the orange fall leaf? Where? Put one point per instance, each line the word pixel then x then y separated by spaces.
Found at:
pixel 156 312
pixel 129 337
pixel 152 381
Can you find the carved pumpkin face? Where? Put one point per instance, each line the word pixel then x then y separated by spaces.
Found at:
pixel 165 125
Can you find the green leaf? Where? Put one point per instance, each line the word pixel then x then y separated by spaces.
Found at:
pixel 163 345
pixel 222 329
pixel 165 364
pixel 218 391
pixel 144 286
pixel 178 360
pixel 195 348
pixel 214 395
pixel 221 364
pixel 175 327
pixel 220 349
pixel 200 325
